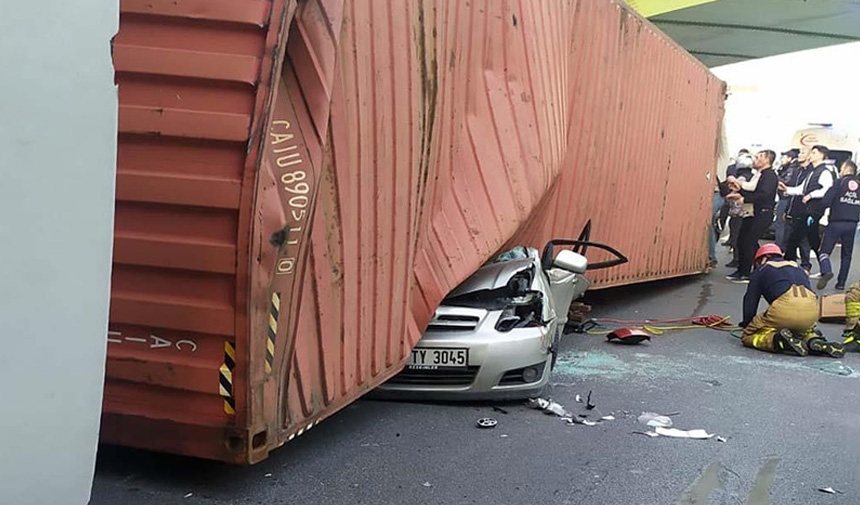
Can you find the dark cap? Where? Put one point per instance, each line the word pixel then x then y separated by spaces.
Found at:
pixel 792 153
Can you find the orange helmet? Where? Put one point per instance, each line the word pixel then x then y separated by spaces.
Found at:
pixel 767 250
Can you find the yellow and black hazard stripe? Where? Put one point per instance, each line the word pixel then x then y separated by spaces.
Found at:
pixel 272 332
pixel 226 378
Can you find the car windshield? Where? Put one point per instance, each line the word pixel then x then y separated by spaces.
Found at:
pixel 517 253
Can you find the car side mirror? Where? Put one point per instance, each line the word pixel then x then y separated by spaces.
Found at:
pixel 571 261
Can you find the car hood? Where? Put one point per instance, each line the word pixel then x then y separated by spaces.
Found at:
pixel 493 276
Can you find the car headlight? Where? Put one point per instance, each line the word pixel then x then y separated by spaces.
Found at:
pixel 521 312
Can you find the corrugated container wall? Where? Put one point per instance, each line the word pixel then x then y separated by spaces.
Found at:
pixel 299 184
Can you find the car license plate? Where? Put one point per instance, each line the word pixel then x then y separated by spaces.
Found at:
pixel 431 358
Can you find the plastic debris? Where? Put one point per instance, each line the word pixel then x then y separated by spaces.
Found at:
pixel 830 490
pixel 607 418
pixel 504 435
pixel 628 336
pixel 548 406
pixel 676 433
pixel 427 484
pixel 721 439
pixel 655 420
pixel 578 399
pixel 189 495
pixel 267 475
pixel 486 422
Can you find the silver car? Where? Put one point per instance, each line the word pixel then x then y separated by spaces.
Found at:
pixel 497 334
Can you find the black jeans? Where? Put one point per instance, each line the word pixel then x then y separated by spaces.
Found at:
pixel 752 229
pixel 799 230
pixel 734 235
pixel 838 231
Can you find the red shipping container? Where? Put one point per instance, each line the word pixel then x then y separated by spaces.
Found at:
pixel 299 184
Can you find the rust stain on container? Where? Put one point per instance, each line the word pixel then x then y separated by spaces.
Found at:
pixel 299 184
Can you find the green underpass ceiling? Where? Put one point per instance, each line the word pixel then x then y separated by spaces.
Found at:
pixel 730 31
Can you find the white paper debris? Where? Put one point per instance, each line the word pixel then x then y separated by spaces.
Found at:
pixel 503 436
pixel 721 439
pixel 589 423
pixel 676 433
pixel 647 433
pixel 427 484
pixel 607 418
pixel 578 399
pixel 655 420
pixel 830 490
pixel 267 475
pixel 189 495
pixel 555 408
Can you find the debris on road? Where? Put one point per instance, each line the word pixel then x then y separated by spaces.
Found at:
pixel 608 418
pixel 504 435
pixel 722 439
pixel 189 495
pixel 500 410
pixel 486 422
pixel 628 336
pixel 655 420
pixel 578 399
pixel 548 406
pixel 829 490
pixel 579 420
pixel 676 433
pixel 588 404
pixel 646 433
pixel 267 475
pixel 427 484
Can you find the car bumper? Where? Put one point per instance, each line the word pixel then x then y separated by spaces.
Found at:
pixel 495 368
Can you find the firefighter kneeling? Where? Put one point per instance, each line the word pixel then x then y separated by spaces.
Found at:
pixel 852 318
pixel 788 325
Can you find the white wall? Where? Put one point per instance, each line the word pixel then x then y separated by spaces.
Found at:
pixel 58 129
pixel 774 97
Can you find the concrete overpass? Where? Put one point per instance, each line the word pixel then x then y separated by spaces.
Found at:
pixel 720 32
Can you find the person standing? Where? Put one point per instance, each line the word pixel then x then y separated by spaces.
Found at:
pixel 742 171
pixel 843 199
pixel 788 167
pixel 813 189
pixel 795 209
pixel 761 195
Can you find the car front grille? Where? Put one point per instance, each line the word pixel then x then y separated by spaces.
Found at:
pixel 453 322
pixel 438 377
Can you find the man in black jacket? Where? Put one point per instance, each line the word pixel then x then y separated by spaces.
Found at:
pixel 788 168
pixel 843 200
pixel 812 191
pixel 761 194
pixel 795 210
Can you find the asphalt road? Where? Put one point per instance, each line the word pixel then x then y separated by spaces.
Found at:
pixel 791 426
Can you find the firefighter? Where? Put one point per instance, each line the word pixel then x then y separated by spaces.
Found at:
pixel 851 334
pixel 843 199
pixel 788 324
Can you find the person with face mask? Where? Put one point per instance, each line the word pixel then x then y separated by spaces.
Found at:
pixel 760 194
